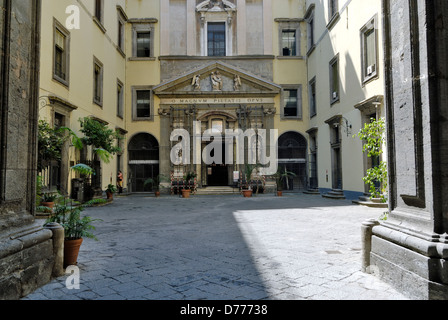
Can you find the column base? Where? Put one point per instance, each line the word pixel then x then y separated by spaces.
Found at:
pixel 416 267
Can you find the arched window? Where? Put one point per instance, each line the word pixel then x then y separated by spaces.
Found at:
pixel 143 147
pixel 292 145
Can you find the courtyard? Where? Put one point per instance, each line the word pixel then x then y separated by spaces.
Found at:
pixel 295 247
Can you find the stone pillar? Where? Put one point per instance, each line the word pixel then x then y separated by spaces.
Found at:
pixel 165 148
pixel 410 249
pixel 58 247
pixel 26 253
pixel 366 242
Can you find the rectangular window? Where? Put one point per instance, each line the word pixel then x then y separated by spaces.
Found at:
pixel 98 82
pixel 142 41
pixel 292 102
pixel 369 50
pixel 311 29
pixel 61 54
pixel 332 8
pixel 99 10
pixel 312 90
pixel 143 44
pixel 120 39
pixel 216 39
pixel 119 99
pixel 334 80
pixel 289 44
pixel 143 103
pixel 59 68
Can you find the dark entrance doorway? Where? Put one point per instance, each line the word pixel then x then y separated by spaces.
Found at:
pixel 218 173
pixel 292 156
pixel 143 161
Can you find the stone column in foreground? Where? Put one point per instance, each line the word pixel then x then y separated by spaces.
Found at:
pixel 410 248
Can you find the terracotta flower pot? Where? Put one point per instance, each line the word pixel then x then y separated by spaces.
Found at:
pixel 279 193
pixel 71 251
pixel 110 195
pixel 49 205
pixel 247 193
pixel 186 193
pixel 157 194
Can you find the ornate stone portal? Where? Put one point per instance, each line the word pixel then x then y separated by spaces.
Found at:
pixel 220 97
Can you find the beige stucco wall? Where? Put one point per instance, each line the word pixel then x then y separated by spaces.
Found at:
pixel 343 39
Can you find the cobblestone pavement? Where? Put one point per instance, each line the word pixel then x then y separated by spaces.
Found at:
pixel 296 247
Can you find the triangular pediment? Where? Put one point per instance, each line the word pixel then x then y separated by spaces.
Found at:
pixel 217 79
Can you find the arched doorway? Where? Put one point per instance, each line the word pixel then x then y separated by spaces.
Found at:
pixel 292 150
pixel 143 161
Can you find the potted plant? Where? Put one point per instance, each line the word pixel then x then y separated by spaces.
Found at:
pixel 155 183
pixel 187 180
pixel 280 176
pixel 111 189
pixel 48 200
pixel 248 169
pixel 76 227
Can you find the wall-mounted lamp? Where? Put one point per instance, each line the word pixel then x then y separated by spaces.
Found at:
pixel 345 124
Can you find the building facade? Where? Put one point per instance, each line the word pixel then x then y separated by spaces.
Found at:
pixel 346 89
pixel 147 77
pixel 149 68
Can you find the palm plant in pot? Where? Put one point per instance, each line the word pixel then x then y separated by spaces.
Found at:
pixel 280 177
pixel 76 227
pixel 188 182
pixel 111 189
pixel 155 183
pixel 248 170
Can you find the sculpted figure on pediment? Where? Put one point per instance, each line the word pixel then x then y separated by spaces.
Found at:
pixel 216 81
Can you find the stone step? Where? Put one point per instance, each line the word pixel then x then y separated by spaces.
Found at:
pixel 312 191
pixel 371 204
pixel 334 194
pixel 217 190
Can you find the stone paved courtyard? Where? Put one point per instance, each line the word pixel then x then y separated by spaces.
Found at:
pixel 296 247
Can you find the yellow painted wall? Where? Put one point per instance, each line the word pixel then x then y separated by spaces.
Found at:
pixel 85 43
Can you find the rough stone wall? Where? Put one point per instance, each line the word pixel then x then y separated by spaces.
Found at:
pixel 410 248
pixel 26 254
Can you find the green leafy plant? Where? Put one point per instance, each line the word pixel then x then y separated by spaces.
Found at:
pixel 101 137
pixel 111 188
pixel 376 177
pixel 247 172
pixel 155 182
pixel 373 137
pixel 50 143
pixel 189 176
pixel 75 225
pixel 49 197
pixel 281 175
pixel 83 169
